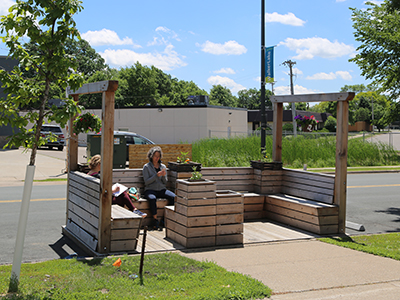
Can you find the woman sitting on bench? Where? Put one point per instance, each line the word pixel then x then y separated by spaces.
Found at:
pixel 123 199
pixel 155 179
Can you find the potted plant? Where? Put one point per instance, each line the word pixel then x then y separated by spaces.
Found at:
pixel 196 175
pixel 306 123
pixel 184 164
pixel 87 122
pixel 266 163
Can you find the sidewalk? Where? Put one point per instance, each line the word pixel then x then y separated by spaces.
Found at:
pixel 302 269
pixel 311 269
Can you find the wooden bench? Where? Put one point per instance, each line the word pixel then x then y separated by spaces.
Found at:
pixel 134 178
pixel 83 199
pixel 305 202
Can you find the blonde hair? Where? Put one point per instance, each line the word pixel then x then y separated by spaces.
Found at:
pixel 94 161
pixel 153 150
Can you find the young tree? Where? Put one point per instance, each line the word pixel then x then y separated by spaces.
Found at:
pixel 220 95
pixel 48 24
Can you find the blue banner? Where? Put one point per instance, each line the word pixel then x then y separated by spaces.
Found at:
pixel 269 62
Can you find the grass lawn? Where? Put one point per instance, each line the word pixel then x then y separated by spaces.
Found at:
pixel 165 276
pixel 387 245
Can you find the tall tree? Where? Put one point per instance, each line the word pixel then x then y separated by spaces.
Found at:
pixel 251 99
pixel 377 29
pixel 48 24
pixel 220 95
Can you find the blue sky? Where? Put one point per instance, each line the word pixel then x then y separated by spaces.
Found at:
pixel 219 41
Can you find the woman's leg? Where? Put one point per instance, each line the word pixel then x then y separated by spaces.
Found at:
pixel 124 199
pixel 170 196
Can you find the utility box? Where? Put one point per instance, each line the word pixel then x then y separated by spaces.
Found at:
pixel 119 155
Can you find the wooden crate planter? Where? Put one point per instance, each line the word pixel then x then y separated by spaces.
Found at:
pixel 229 228
pixel 181 167
pixel 260 165
pixel 253 206
pixel 267 181
pixel 191 222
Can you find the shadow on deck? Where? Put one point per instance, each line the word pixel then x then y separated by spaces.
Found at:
pixel 254 232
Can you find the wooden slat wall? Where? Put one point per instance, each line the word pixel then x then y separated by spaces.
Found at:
pixel 308 185
pixel 238 179
pixel 83 207
pixel 138 153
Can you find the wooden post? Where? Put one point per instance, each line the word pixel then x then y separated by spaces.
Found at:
pixel 107 149
pixel 277 132
pixel 342 129
pixel 72 148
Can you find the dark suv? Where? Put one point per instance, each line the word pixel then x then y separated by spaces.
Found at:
pixel 48 130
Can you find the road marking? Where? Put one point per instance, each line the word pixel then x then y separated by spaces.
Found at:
pixel 33 200
pixel 367 186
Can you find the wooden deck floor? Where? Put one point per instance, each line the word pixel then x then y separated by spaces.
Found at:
pixel 254 232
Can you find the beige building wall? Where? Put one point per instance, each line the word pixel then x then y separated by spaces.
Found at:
pixel 173 125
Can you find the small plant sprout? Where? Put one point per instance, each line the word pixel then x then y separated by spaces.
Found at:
pixel 183 159
pixel 265 157
pixel 196 175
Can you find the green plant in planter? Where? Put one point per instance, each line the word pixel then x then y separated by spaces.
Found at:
pixel 265 157
pixel 183 159
pixel 196 175
pixel 87 122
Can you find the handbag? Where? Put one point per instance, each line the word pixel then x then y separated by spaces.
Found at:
pixel 133 192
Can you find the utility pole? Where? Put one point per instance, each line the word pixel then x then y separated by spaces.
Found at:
pixel 263 116
pixel 291 64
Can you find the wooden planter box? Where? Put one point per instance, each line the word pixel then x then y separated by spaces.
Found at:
pixel 260 165
pixel 179 167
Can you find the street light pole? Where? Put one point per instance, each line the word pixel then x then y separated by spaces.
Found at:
pixel 263 115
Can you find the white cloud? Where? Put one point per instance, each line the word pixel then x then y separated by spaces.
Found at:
pixel 331 76
pixel 340 0
pixel 285 90
pixel 297 71
pixel 166 61
pixel 106 37
pixel 311 47
pixel 226 82
pixel 377 2
pixel 4 6
pixel 161 39
pixel 170 32
pixel 225 71
pixel 288 19
pixel 229 48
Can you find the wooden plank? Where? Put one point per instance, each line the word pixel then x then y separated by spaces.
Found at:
pixel 196 242
pixel 196 195
pixel 229 219
pixel 326 229
pixel 94 88
pixel 223 209
pixel 253 198
pixel 195 202
pixel 341 162
pixel 85 215
pixel 317 97
pixel 229 229
pixel 296 191
pixel 228 197
pixel 123 246
pixel 254 207
pixel 82 235
pixel 170 214
pixel 72 144
pixel 190 232
pixel 231 239
pixel 209 210
pixel 253 215
pixel 82 223
pixel 222 171
pixel 310 175
pixel 81 179
pixel 202 186
pixel 124 234
pixel 138 153
pixel 84 204
pixel 315 219
pixel 306 206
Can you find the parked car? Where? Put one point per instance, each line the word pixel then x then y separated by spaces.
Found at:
pixel 48 130
pixel 133 138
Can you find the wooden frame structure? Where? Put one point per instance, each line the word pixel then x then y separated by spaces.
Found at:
pixel 107 88
pixel 342 100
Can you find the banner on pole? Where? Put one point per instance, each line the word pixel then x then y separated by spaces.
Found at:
pixel 269 62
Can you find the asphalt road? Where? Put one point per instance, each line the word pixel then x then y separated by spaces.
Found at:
pixel 373 201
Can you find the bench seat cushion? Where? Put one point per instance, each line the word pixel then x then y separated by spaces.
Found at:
pixel 317 217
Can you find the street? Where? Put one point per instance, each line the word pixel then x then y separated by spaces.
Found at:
pixel 372 200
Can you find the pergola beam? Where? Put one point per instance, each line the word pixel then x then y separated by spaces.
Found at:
pixel 323 97
pixel 95 87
